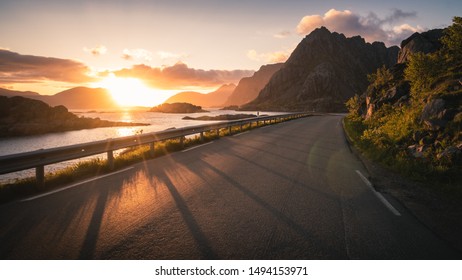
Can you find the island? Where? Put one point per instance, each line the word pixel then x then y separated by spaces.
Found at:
pixel 227 117
pixel 20 116
pixel 177 108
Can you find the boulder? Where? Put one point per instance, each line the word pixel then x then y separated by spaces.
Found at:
pixel 418 151
pixel 451 154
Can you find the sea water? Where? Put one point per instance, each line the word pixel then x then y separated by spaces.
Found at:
pixel 156 121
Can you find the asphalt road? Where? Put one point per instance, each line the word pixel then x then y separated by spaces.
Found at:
pixel 287 191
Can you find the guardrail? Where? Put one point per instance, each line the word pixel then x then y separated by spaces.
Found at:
pixel 40 158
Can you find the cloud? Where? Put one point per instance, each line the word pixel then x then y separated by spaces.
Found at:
pixel 371 27
pixel 96 51
pixel 136 54
pixel 398 14
pixel 282 34
pixel 180 76
pixel 269 57
pixel 18 68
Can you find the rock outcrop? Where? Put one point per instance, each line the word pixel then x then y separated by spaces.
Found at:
pixel 177 108
pixel 249 87
pixel 323 72
pixel 20 116
pixel 425 42
pixel 396 91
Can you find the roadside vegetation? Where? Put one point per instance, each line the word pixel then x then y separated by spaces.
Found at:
pixel 410 118
pixel 98 166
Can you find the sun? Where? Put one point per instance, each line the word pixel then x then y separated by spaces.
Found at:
pixel 129 92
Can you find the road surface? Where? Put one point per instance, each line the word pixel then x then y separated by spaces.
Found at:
pixel 287 191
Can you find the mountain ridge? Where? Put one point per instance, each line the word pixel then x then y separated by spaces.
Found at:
pixel 207 100
pixel 322 73
pixel 248 88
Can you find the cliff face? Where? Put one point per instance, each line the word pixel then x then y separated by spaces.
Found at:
pixel 323 72
pixel 249 87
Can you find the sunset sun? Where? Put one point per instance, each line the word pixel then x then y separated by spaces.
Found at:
pixel 131 92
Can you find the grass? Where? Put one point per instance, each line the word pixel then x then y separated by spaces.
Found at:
pixel 95 167
pixel 397 160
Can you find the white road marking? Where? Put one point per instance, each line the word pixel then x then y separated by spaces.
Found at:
pixel 240 133
pixel 378 195
pixel 195 147
pixel 75 185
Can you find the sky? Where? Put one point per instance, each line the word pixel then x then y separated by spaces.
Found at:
pixel 171 45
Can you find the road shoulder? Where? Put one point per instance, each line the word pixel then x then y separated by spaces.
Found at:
pixel 434 208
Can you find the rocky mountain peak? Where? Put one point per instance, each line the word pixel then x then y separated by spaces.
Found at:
pixel 324 71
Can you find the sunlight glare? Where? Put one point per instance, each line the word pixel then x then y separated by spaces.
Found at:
pixel 129 92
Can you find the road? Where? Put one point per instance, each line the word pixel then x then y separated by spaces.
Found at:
pixel 287 191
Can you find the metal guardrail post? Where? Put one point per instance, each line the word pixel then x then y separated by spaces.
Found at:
pixel 202 136
pixel 40 176
pixel 152 151
pixel 110 159
pixel 182 142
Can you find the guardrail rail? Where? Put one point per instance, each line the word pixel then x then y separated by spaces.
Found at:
pixel 40 158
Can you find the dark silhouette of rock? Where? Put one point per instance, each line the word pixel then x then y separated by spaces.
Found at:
pixel 208 100
pixel 20 116
pixel 425 42
pixel 323 72
pixel 249 87
pixel 180 108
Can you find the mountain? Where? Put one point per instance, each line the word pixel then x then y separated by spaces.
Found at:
pixel 322 73
pixel 20 116
pixel 11 93
pixel 75 98
pixel 248 88
pixel 213 99
pixel 82 98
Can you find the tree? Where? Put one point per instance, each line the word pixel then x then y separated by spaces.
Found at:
pixel 452 40
pixel 422 71
pixel 354 106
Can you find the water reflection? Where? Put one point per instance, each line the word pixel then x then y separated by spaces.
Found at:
pixel 127 131
pixel 126 116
